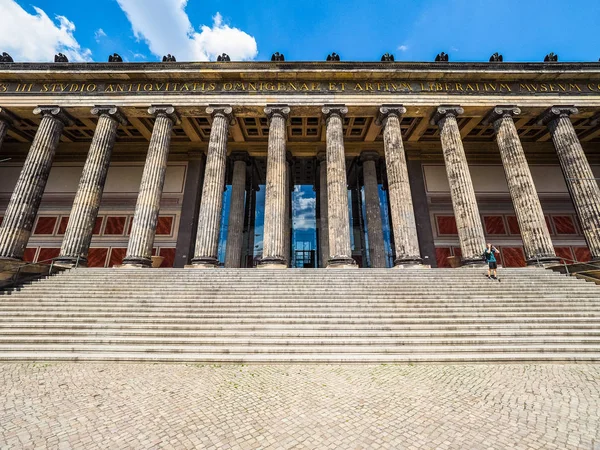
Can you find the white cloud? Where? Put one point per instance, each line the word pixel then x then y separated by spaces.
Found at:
pixel 403 48
pixel 99 34
pixel 35 37
pixel 166 28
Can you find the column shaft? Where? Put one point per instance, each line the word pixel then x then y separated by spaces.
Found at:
pixel 579 177
pixel 323 222
pixel 235 230
pixel 528 209
pixel 143 230
pixel 276 190
pixel 3 129
pixel 211 205
pixel 373 207
pixel 464 202
pixel 288 213
pixel 27 195
pixel 406 240
pixel 340 251
pixel 78 235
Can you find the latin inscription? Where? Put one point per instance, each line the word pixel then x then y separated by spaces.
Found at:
pixel 304 87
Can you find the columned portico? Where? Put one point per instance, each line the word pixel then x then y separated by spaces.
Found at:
pixel 211 205
pixel 373 207
pixel 464 203
pixel 579 177
pixel 233 250
pixel 143 230
pixel 78 235
pixel 276 191
pixel 537 242
pixel 340 251
pixel 27 195
pixel 404 225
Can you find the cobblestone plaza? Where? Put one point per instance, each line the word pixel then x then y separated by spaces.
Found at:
pixel 90 406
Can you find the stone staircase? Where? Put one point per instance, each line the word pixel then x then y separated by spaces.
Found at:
pixel 304 315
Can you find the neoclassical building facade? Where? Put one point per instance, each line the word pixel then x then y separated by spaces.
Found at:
pixel 299 164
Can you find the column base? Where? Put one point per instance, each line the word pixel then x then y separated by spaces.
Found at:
pixel 543 261
pixel 341 262
pixel 203 262
pixel 69 262
pixel 272 262
pixel 136 262
pixel 399 262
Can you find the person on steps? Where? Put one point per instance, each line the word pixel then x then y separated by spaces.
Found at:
pixel 490 257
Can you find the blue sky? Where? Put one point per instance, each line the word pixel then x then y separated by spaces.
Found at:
pixel 469 30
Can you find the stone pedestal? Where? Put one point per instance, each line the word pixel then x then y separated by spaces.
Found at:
pixel 464 203
pixel 579 177
pixel 340 251
pixel 27 195
pixel 404 225
pixel 6 120
pixel 143 230
pixel 374 226
pixel 209 217
pixel 276 190
pixel 528 209
pixel 235 231
pixel 323 221
pixel 78 235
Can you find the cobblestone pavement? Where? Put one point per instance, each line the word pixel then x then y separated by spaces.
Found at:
pixel 299 406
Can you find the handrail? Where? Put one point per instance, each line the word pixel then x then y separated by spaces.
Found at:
pixel 564 260
pixel 17 270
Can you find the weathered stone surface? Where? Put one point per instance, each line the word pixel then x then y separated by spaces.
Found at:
pixel 404 225
pixel 464 202
pixel 579 177
pixel 340 251
pixel 537 242
pixel 209 217
pixel 143 230
pixel 78 234
pixel 235 230
pixel 373 207
pixel 276 190
pixel 27 195
pixel 6 120
pixel 323 221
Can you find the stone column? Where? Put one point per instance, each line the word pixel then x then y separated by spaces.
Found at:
pixel 82 219
pixel 373 207
pixel 528 209
pixel 288 208
pixel 143 229
pixel 211 205
pixel 27 195
pixel 323 222
pixel 404 227
pixel 235 231
pixel 340 251
pixel 6 120
pixel 464 203
pixel 578 174
pixel 276 190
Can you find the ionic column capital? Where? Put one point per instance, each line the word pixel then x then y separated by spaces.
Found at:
pixel 240 156
pixel 167 111
pixel 277 110
pixel 322 157
pixel 556 112
pixel 54 112
pixel 7 116
pixel 334 110
pixel 225 111
pixel 501 111
pixel 386 111
pixel 445 111
pixel 110 111
pixel 370 155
